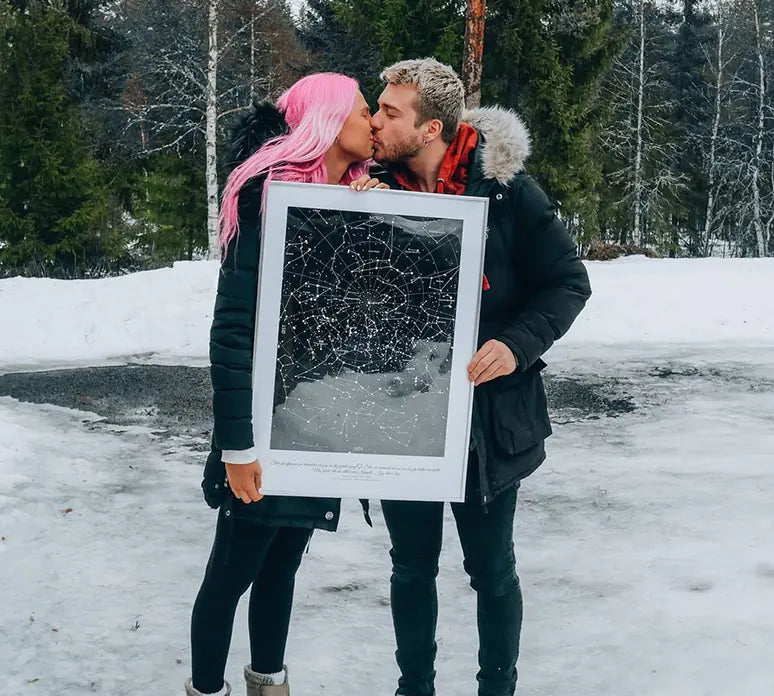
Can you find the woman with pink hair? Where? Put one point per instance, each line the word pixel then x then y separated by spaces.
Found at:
pixel 318 132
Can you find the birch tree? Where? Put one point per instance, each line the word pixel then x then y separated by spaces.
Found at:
pixel 757 164
pixel 640 155
pixel 718 67
pixel 194 65
pixel 211 172
pixel 639 143
pixel 745 147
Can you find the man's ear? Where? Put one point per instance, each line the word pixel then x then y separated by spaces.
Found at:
pixel 434 129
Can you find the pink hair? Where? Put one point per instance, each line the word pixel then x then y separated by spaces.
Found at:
pixel 315 109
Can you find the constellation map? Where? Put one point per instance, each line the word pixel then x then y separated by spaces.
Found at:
pixel 365 333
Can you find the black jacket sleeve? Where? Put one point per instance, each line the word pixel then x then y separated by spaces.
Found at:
pixel 557 282
pixel 233 330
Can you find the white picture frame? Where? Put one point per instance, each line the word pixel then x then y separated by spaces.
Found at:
pixel 316 441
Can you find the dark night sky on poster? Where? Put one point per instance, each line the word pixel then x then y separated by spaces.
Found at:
pixel 365 334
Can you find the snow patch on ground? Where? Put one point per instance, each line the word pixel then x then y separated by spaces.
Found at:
pixel 644 548
pixel 164 315
pixel 644 542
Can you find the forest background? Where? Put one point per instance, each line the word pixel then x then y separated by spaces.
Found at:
pixel 652 121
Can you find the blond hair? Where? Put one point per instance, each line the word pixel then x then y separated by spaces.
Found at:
pixel 440 94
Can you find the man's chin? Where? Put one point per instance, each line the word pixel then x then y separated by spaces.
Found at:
pixel 397 155
pixel 383 157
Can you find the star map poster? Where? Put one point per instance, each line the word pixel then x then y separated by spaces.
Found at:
pixel 367 318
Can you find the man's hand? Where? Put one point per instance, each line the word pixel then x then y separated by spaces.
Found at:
pixel 245 481
pixel 494 359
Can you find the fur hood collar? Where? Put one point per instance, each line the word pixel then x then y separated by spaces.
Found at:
pixel 507 143
pixel 260 123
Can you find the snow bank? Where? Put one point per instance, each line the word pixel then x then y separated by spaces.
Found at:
pixel 678 301
pixel 166 312
pixel 164 315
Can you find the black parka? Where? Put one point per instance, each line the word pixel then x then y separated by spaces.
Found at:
pixel 538 286
pixel 231 350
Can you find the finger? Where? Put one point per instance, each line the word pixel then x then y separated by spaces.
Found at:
pixel 483 365
pixel 364 184
pixel 383 186
pixel 482 352
pixel 242 495
pixel 358 183
pixel 493 371
pixel 252 492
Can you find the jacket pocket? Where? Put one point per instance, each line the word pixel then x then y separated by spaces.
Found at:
pixel 520 411
pixel 214 480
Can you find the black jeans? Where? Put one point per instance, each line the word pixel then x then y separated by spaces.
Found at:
pixel 244 553
pixel 486 535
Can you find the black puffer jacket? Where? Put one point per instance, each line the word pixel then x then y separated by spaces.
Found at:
pixel 538 286
pixel 231 349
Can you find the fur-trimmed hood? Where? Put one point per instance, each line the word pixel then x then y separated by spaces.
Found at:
pixel 507 143
pixel 260 123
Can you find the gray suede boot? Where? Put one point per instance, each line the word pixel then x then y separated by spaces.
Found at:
pixel 190 691
pixel 255 686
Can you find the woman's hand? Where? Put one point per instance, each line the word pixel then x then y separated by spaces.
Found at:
pixel 245 481
pixel 366 182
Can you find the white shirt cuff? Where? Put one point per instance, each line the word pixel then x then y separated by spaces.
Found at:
pixel 238 456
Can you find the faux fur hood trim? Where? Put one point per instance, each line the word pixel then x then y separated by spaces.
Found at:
pixel 260 123
pixel 507 142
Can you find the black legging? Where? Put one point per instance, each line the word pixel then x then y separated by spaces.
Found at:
pixel 267 557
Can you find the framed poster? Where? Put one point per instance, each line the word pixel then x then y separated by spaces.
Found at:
pixel 368 306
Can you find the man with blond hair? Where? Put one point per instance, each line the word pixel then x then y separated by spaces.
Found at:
pixel 534 288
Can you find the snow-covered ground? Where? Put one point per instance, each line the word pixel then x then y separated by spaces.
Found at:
pixel 164 315
pixel 644 543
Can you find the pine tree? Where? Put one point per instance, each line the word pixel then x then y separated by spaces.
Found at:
pixel 51 196
pixel 691 123
pixel 361 38
pixel 336 46
pixel 168 200
pixel 547 59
